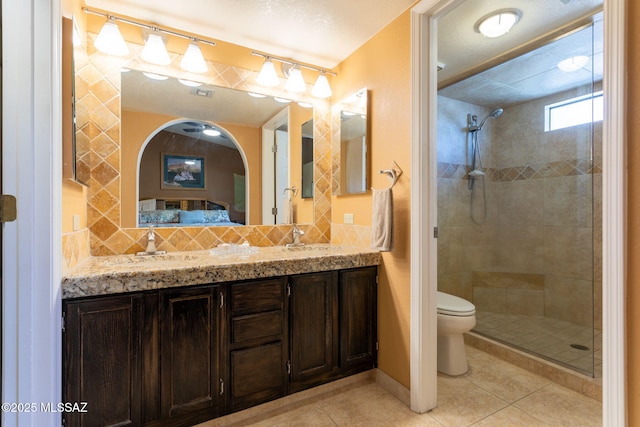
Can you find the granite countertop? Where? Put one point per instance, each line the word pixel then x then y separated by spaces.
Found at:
pixel 129 273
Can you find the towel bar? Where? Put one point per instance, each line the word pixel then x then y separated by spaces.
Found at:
pixel 394 172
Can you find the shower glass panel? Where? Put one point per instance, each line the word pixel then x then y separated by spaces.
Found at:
pixel 519 199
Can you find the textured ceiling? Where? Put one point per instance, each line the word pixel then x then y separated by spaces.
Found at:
pixel 319 32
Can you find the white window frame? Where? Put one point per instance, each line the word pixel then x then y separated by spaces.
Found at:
pixel 596 114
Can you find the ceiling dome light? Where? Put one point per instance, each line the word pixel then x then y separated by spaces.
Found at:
pixel 321 89
pixel 282 100
pixel 110 40
pixel 295 82
pixel 573 64
pixel 268 76
pixel 498 23
pixel 193 60
pixel 211 132
pixel 154 51
pixel 256 95
pixel 305 104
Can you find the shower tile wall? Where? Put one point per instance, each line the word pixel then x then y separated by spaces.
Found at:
pixel 534 253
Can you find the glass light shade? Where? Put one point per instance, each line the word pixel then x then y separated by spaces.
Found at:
pixel 321 89
pixel 498 24
pixel 110 40
pixel 573 64
pixel 154 76
pixel 189 83
pixel 295 82
pixel 268 76
pixel 193 61
pixel 155 52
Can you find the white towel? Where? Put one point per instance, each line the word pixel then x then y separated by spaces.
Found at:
pixel 382 221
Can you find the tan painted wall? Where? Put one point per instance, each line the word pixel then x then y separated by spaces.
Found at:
pixel 383 66
pixel 633 215
pixel 302 208
pixel 136 127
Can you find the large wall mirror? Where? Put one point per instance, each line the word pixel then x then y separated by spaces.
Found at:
pixel 352 145
pixel 198 150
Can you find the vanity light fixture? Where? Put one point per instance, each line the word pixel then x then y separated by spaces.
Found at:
pixel 154 76
pixel 498 23
pixel 110 40
pixel 155 51
pixel 189 83
pixel 321 89
pixel 295 82
pixel 193 61
pixel 268 76
pixel 573 64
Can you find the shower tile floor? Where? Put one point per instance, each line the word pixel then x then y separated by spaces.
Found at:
pixel 546 337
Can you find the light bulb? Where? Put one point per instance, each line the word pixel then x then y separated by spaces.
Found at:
pixel 193 60
pixel 110 40
pixel 154 51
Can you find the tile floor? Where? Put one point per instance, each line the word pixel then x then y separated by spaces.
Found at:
pixel 493 393
pixel 547 337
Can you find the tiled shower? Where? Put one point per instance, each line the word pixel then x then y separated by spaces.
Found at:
pixel 525 244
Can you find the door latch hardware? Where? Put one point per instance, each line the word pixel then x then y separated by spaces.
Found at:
pixel 8 210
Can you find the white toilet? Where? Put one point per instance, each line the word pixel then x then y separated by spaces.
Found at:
pixel 455 317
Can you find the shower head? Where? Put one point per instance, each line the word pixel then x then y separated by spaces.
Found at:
pixel 494 114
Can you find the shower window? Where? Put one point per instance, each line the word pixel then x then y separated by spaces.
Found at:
pixel 573 112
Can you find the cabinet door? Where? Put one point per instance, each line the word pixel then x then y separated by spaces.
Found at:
pixel 257 343
pixel 358 314
pixel 189 354
pixel 102 363
pixel 313 325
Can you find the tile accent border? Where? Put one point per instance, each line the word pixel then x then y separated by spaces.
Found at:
pixel 518 173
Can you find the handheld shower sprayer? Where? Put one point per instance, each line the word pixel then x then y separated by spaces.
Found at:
pixel 473 127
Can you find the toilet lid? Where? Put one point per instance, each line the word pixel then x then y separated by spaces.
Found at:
pixel 454 306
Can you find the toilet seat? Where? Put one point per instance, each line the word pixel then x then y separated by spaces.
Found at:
pixel 451 305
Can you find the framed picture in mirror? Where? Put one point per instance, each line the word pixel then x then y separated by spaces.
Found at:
pixel 183 172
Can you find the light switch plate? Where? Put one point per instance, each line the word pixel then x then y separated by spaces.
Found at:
pixel 76 222
pixel 348 218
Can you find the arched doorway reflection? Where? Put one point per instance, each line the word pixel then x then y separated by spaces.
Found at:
pixel 192 166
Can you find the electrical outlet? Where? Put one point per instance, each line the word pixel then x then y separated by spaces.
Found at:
pixel 348 218
pixel 76 222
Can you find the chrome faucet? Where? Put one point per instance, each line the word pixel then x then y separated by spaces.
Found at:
pixel 297 233
pixel 151 241
pixel 151 244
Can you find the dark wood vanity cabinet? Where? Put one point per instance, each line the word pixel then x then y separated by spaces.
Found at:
pixel 358 319
pixel 102 360
pixel 190 344
pixel 313 314
pixel 177 357
pixel 257 354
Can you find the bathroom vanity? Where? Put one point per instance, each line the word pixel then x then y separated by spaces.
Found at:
pixel 181 338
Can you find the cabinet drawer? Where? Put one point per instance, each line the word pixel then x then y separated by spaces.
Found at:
pixel 255 326
pixel 257 295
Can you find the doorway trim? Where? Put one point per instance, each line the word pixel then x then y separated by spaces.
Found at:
pixel 423 358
